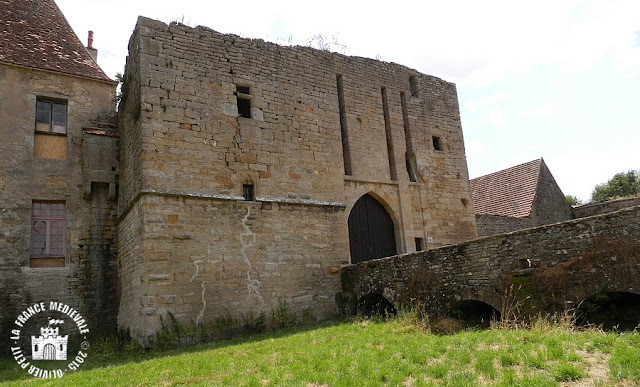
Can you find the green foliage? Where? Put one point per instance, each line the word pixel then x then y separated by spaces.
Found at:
pixel 572 200
pixel 565 372
pixel 621 185
pixel 625 362
pixel 282 316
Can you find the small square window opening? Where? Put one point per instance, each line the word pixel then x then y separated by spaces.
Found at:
pixel 437 144
pixel 419 245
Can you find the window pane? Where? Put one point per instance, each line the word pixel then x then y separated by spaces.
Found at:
pixel 57 210
pixel 43 111
pixel 39 209
pixel 38 237
pixel 59 118
pixel 59 129
pixel 56 238
pixel 43 127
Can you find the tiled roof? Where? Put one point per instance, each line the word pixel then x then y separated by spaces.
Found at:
pixel 509 192
pixel 34 33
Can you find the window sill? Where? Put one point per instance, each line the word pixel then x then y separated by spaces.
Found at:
pixel 50 133
pixel 46 262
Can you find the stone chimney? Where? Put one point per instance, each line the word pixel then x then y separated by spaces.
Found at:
pixel 92 51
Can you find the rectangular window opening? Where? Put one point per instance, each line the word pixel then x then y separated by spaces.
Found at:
pixel 244 101
pixel 247 192
pixel 437 144
pixel 419 244
pixel 48 234
pixel 51 116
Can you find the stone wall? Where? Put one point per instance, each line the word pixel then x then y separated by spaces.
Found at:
pixel 495 224
pixel 550 267
pixel 205 114
pixel 600 208
pixel 86 280
pixel 205 257
pixel 549 205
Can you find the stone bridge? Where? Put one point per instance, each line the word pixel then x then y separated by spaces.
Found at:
pixel 544 269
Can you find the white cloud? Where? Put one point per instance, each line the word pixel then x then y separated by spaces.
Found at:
pixel 496 117
pixel 539 112
pixel 487 101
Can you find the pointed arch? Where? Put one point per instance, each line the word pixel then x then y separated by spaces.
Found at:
pixel 371 231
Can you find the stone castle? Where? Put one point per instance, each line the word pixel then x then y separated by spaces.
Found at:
pixel 238 175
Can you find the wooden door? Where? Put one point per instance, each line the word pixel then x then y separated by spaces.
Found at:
pixel 49 352
pixel 371 233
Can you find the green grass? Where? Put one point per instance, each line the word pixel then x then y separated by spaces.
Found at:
pixel 368 353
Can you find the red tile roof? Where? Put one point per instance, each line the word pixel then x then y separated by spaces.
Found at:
pixel 509 192
pixel 35 33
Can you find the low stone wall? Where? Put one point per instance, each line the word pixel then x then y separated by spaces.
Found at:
pixel 548 267
pixel 600 208
pixel 495 224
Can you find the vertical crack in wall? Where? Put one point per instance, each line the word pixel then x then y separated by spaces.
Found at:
pixel 196 264
pixel 204 303
pixel 247 239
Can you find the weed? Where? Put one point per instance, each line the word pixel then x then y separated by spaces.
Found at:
pixel 566 372
pixel 282 316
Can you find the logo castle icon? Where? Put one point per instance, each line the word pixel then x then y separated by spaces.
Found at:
pixel 49 345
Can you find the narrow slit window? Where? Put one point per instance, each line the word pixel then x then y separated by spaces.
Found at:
pixel 437 144
pixel 247 192
pixel 243 97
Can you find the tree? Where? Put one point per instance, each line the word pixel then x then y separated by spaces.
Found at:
pixel 572 200
pixel 621 185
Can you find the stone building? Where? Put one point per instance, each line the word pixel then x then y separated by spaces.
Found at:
pixel 251 172
pixel 519 197
pixel 58 167
pixel 238 175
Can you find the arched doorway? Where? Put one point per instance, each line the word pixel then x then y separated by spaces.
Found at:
pixel 49 352
pixel 371 232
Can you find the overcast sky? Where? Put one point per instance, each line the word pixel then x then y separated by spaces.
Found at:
pixel 558 79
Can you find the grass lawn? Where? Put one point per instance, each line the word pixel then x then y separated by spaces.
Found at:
pixel 371 353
